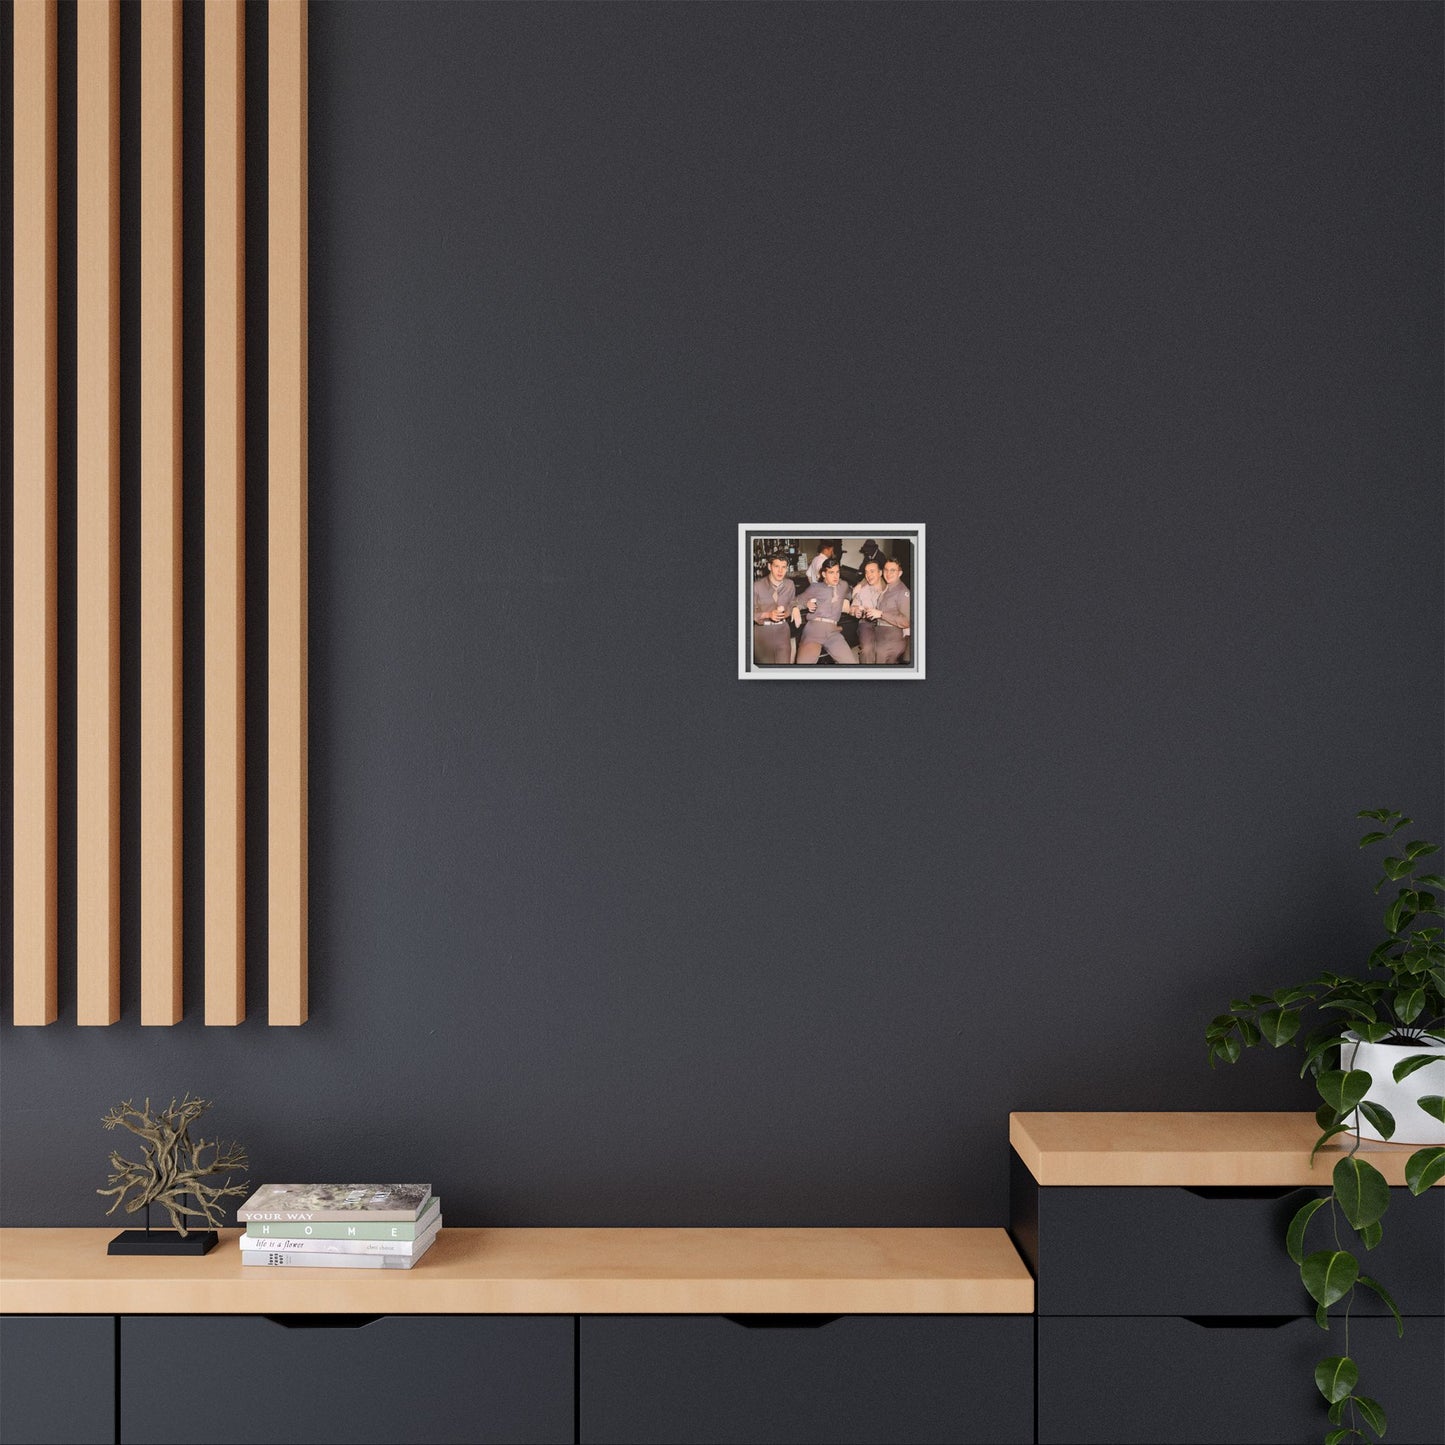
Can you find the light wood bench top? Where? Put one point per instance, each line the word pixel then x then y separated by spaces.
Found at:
pixel 543 1271
pixel 1192 1150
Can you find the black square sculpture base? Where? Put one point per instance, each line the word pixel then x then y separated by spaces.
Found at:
pixel 163 1241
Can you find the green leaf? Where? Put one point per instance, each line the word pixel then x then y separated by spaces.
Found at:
pixel 1322 1318
pixel 1325 1139
pixel 1371 838
pixel 1373 1413
pixel 1372 1234
pixel 1432 880
pixel 1423 1168
pixel 1373 1033
pixel 1420 849
pixel 1227 1049
pixel 1343 1089
pixel 1380 814
pixel 1380 1117
pixel 1326 1117
pixel 1279 1025
pixel 1397 868
pixel 1433 1105
pixel 1384 1294
pixel 1400 912
pixel 1361 1191
pixel 1320 1045
pixel 1336 1377
pixel 1338 1437
pixel 1294 1240
pixel 1408 1003
pixel 1401 821
pixel 1329 1275
pixel 1337 1410
pixel 1356 1007
pixel 1406 1067
pixel 1287 996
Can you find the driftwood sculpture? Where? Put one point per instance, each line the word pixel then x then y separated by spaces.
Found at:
pixel 172 1166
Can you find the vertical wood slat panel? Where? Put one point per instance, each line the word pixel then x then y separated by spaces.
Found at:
pixel 34 427
pixel 287 600
pixel 97 543
pixel 225 513
pixel 160 523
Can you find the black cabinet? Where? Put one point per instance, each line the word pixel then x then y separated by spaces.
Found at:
pixel 1174 1315
pixel 57 1381
pixel 784 1378
pixel 1227 1381
pixel 351 1379
pixel 1213 1251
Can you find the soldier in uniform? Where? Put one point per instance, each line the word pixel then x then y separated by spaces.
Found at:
pixel 823 603
pixel 866 595
pixel 773 598
pixel 893 614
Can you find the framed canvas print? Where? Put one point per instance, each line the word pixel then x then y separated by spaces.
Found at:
pixel 830 601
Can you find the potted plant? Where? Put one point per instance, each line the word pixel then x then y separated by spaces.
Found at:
pixel 1377 1054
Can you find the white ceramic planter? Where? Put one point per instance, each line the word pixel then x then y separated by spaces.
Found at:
pixel 1412 1124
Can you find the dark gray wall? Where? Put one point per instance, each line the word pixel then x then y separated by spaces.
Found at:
pixel 1137 307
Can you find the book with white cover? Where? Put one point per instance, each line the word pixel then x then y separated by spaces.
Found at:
pixel 411 1247
pixel 310 1259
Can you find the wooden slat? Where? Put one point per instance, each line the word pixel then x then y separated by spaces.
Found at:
pixel 34 708
pixel 160 454
pixel 286 424
pixel 97 541
pixel 225 514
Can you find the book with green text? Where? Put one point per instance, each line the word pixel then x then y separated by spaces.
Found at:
pixel 335 1229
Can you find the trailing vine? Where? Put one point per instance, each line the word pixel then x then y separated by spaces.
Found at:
pixel 1406 1006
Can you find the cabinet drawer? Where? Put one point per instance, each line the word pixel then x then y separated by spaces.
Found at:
pixel 809 1378
pixel 1178 1382
pixel 1157 1250
pixel 352 1379
pixel 58 1378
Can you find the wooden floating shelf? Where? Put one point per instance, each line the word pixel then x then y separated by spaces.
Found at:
pixel 1187 1150
pixel 544 1271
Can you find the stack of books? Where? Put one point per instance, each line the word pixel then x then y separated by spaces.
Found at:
pixel 339 1226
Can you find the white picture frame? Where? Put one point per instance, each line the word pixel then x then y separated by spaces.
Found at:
pixel 904 542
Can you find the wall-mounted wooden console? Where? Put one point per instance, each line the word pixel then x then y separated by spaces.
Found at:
pixel 545 1271
pixel 1155 1241
pixel 1168 1310
pixel 528 1334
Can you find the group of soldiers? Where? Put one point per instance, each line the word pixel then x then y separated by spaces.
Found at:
pixel 881 602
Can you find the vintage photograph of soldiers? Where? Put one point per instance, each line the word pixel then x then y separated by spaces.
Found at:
pixel 831 602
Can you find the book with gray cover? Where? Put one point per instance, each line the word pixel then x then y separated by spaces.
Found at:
pixel 335 1203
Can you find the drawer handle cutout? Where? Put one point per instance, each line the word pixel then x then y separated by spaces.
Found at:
pixel 322 1322
pixel 1241 1322
pixel 1244 1191
pixel 782 1322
